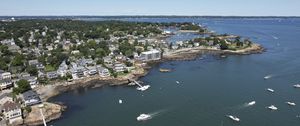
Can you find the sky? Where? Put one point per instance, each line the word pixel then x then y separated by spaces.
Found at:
pixel 150 7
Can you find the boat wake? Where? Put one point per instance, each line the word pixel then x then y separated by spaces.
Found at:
pixel 157 113
pixel 268 77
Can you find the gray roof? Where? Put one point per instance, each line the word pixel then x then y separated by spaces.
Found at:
pixel 30 95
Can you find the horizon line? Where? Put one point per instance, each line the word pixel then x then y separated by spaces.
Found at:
pixel 146 16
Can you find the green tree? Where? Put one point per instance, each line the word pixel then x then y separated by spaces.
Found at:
pixel 23 86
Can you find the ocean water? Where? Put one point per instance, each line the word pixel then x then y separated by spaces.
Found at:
pixel 210 87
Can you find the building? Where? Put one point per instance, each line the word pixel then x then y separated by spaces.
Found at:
pixel 33 82
pixel 5 75
pixel 150 55
pixel 103 72
pixel 92 70
pixel 62 69
pixel 52 75
pixel 5 83
pixel 12 112
pixel 119 67
pixel 31 98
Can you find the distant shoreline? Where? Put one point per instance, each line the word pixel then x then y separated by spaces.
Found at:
pixel 133 16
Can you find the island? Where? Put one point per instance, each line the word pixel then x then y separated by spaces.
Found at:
pixel 41 58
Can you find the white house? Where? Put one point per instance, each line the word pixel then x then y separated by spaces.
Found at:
pixel 5 75
pixel 12 112
pixel 62 69
pixel 151 55
pixel 119 67
pixel 103 72
pixel 32 81
pixel 5 83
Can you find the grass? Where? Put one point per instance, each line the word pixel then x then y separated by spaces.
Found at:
pixel 49 68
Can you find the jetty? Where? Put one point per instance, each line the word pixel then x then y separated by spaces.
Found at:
pixel 140 87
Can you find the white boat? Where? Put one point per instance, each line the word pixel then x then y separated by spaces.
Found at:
pixel 291 103
pixel 272 107
pixel 143 88
pixel 251 103
pixel 177 82
pixel 270 90
pixel 234 118
pixel 297 86
pixel 267 77
pixel 143 117
pixel 120 101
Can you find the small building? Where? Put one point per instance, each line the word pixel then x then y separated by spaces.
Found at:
pixel 119 67
pixel 5 83
pixel 12 112
pixel 103 72
pixel 92 70
pixel 5 75
pixel 33 82
pixel 151 55
pixel 62 69
pixel 52 75
pixel 108 60
pixel 31 98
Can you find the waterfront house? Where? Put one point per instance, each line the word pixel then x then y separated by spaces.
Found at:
pixel 5 83
pixel 103 72
pixel 92 70
pixel 119 67
pixel 62 69
pixel 33 82
pixel 150 55
pixel 12 112
pixel 31 98
pixel 52 75
pixel 5 75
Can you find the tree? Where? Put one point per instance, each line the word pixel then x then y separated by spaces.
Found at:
pixel 17 60
pixel 32 70
pixel 23 86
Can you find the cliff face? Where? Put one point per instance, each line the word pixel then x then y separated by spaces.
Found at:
pixel 50 111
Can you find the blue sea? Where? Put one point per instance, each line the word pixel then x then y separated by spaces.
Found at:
pixel 210 87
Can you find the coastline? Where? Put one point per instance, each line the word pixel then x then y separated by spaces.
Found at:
pixel 56 88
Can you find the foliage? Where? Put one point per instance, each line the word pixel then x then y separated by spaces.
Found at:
pixel 22 86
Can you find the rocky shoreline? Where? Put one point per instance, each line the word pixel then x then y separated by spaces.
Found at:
pixel 49 91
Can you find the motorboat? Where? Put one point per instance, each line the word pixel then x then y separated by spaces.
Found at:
pixel 297 86
pixel 272 107
pixel 234 118
pixel 143 117
pixel 252 103
pixel 143 88
pixel 270 90
pixel 267 77
pixel 291 103
pixel 120 101
pixel 177 82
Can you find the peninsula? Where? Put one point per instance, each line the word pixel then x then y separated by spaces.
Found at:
pixel 42 58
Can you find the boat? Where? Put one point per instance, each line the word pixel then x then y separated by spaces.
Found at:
pixel 177 82
pixel 143 117
pixel 164 70
pixel 297 86
pixel 270 90
pixel 291 103
pixel 251 103
pixel 143 88
pixel 234 118
pixel 267 77
pixel 272 107
pixel 120 101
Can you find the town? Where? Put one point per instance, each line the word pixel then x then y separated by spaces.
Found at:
pixel 35 53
